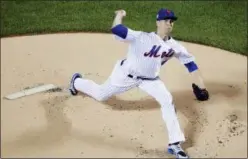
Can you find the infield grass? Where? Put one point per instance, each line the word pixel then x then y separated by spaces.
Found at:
pixel 220 24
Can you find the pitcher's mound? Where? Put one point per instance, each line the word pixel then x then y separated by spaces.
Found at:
pixel 55 124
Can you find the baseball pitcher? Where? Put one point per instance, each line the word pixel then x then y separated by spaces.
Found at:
pixel 147 53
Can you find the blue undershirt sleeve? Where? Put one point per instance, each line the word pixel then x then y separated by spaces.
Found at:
pixel 120 30
pixel 191 66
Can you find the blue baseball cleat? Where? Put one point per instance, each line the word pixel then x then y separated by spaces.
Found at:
pixel 177 151
pixel 72 87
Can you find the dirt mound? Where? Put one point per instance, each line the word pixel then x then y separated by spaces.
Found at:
pixel 54 124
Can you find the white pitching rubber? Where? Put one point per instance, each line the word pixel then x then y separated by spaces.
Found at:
pixel 30 91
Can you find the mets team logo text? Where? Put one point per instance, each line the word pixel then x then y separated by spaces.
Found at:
pixel 154 52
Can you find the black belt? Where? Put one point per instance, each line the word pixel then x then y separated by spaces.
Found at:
pixel 139 77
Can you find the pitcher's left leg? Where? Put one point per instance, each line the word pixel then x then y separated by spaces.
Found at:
pixel 158 90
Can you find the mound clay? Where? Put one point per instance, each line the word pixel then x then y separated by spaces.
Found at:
pixel 55 124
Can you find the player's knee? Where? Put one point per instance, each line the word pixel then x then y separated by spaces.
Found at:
pixel 101 98
pixel 166 100
pixel 167 104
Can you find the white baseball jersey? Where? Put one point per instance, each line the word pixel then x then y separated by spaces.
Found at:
pixel 147 52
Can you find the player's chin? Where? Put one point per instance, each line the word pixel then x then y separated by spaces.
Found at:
pixel 168 31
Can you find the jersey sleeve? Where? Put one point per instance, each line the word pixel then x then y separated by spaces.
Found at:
pixel 123 33
pixel 185 58
pixel 183 55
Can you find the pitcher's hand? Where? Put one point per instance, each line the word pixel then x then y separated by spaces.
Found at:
pixel 121 13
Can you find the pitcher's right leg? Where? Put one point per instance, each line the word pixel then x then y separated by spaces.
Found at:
pixel 117 82
pixel 99 92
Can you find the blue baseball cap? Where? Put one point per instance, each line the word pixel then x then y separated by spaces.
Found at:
pixel 164 14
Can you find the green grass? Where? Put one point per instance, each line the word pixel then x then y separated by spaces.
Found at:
pixel 220 24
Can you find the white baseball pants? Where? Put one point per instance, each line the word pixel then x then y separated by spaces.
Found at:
pixel 118 83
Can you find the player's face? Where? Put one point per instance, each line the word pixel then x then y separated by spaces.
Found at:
pixel 166 26
pixel 169 25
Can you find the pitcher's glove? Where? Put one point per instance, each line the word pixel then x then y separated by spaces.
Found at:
pixel 201 94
